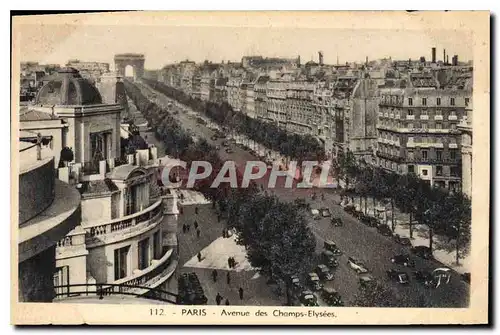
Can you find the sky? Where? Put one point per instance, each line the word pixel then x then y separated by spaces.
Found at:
pixel 165 44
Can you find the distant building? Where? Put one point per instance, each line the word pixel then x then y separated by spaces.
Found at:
pixel 89 70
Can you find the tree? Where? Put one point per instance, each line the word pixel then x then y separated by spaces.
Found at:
pixel 376 294
pixel 406 196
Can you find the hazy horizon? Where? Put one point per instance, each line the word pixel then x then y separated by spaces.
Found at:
pixel 162 45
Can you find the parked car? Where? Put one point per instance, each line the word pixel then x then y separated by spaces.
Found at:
pixel 424 277
pixel 357 265
pixel 324 272
pixel 384 229
pixel 422 251
pixel 296 285
pixel 402 240
pixel 229 150
pixel 337 222
pixel 307 298
pixel 325 212
pixel 359 215
pixel 332 247
pixel 329 259
pixel 315 214
pixel 214 137
pixel 225 143
pixel 466 277
pixel 365 280
pixel 313 281
pixel 350 209
pixel 331 297
pixel 370 221
pixel 398 276
pixel 403 260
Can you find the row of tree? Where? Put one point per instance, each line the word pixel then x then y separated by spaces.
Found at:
pixel 298 147
pixel 444 213
pixel 274 233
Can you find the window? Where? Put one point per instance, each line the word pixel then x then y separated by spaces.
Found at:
pixel 424 172
pixel 453 113
pixel 410 112
pixel 439 125
pixel 424 112
pixel 439 170
pixel 454 171
pixel 411 168
pixel 424 101
pixel 439 155
pixel 452 101
pixel 61 279
pixel 143 250
pixel 466 102
pixel 438 101
pixel 156 245
pixel 410 101
pixel 424 154
pixel 453 153
pixel 121 261
pixel 438 112
pixel 411 155
pixel 410 125
pixel 453 126
pixel 424 125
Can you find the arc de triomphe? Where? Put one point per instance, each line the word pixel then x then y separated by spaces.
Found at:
pixel 134 60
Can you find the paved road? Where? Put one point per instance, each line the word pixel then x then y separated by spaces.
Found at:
pixel 354 238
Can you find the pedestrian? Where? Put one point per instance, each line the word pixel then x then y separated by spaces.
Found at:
pixel 233 262
pixel 199 257
pixel 188 227
pixel 241 293
pixel 195 224
pixel 184 228
pixel 228 278
pixel 322 196
pixel 218 299
pixel 224 233
pixel 181 211
pixel 229 263
pixel 218 218
pixel 227 302
pixel 198 233
pixel 196 210
pixel 214 275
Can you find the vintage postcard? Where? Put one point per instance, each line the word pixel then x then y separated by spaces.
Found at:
pixel 321 168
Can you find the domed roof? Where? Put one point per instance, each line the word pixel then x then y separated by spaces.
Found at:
pixel 67 87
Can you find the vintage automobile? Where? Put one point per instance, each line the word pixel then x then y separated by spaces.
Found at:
pixel 357 265
pixel 336 222
pixel 331 297
pixel 325 212
pixel 402 240
pixel 315 214
pixel 296 285
pixel 365 280
pixel 229 150
pixel 329 259
pixel 424 277
pixel 332 247
pixel 403 260
pixel 422 251
pixel 217 147
pixel 350 209
pixel 324 272
pixel 307 298
pixel 313 281
pixel 225 143
pixel 370 221
pixel 400 277
pixel 384 229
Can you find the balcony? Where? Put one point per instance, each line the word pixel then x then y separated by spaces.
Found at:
pixel 120 228
pixel 441 161
pixel 393 158
pixel 453 145
pixel 424 117
pixel 410 117
pixel 452 117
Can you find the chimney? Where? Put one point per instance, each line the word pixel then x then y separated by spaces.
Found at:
pixel 320 53
pixel 366 60
pixel 434 55
pixel 447 59
pixel 444 55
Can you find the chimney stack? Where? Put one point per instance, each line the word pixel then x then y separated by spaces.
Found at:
pixel 444 56
pixel 320 53
pixel 434 55
pixel 447 59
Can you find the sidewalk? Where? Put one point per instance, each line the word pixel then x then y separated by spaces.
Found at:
pixel 191 198
pixel 443 250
